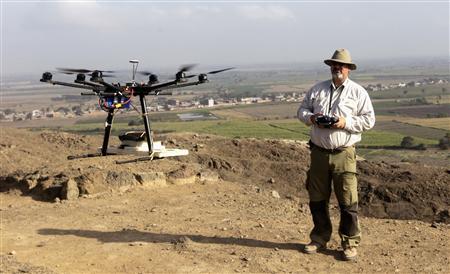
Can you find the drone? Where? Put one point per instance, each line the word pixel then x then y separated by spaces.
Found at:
pixel 113 97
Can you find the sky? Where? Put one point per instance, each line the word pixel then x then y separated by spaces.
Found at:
pixel 40 36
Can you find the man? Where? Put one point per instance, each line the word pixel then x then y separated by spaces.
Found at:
pixel 333 156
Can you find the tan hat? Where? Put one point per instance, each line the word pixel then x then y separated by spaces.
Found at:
pixel 341 56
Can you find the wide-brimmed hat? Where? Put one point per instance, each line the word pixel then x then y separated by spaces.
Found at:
pixel 341 56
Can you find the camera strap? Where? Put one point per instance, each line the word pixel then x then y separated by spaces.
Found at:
pixel 331 98
pixel 332 89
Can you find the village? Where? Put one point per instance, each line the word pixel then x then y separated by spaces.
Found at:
pixel 162 103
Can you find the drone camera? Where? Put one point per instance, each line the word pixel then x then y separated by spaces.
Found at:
pixel 46 76
pixel 202 78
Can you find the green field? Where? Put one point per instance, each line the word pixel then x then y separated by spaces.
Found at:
pixel 235 128
pixel 412 92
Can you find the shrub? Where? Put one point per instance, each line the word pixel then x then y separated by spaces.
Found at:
pixel 407 142
pixel 444 142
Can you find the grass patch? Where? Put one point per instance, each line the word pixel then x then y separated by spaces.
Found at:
pixel 271 129
pixel 386 138
pixel 406 128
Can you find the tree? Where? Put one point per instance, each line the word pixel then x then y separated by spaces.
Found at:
pixel 407 142
pixel 444 142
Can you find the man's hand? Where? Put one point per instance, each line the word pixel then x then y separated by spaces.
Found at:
pixel 340 123
pixel 313 119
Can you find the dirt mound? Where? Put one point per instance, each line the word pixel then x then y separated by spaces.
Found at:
pixel 404 191
pixel 276 164
pixel 22 150
pixel 35 164
pixel 397 191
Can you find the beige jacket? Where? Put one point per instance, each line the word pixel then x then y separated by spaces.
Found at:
pixel 352 102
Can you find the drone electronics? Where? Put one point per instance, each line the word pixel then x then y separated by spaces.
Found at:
pixel 113 97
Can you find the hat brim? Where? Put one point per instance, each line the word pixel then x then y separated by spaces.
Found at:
pixel 331 61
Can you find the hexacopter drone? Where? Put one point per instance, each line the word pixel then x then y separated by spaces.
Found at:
pixel 113 97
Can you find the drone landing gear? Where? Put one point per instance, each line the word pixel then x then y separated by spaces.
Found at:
pixel 104 149
pixel 134 142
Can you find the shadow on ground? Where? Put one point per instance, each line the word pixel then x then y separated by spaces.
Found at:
pixel 132 235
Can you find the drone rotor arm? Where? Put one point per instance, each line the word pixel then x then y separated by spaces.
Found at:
pixel 155 88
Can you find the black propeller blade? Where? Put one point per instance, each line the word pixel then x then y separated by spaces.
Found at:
pixel 211 72
pixel 96 73
pixel 187 67
pixel 73 71
pixel 220 70
pixel 145 73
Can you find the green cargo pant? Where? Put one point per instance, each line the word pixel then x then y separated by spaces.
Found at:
pixel 339 168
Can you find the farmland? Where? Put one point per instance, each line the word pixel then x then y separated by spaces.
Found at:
pixel 421 112
pixel 382 135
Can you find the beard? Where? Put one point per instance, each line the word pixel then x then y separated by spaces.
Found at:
pixel 337 75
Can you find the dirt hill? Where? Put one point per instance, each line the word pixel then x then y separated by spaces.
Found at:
pixel 232 205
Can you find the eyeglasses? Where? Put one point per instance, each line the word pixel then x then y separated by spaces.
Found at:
pixel 339 65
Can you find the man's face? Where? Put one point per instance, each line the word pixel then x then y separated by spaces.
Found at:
pixel 339 71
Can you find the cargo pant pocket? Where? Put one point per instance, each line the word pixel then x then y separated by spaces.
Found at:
pixel 346 188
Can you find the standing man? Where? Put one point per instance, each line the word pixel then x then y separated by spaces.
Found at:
pixel 333 156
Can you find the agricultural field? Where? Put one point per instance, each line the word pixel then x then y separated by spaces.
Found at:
pixel 261 111
pixel 420 112
pixel 413 127
pixel 263 129
pixel 412 92
pixel 438 123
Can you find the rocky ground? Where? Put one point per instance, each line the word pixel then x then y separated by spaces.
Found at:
pixel 232 205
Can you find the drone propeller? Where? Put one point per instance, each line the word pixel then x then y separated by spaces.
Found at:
pixel 187 67
pixel 220 70
pixel 145 73
pixel 211 72
pixel 152 78
pixel 72 71
pixel 180 75
pixel 93 73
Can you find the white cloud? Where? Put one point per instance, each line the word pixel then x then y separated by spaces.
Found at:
pixel 87 14
pixel 190 11
pixel 266 12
